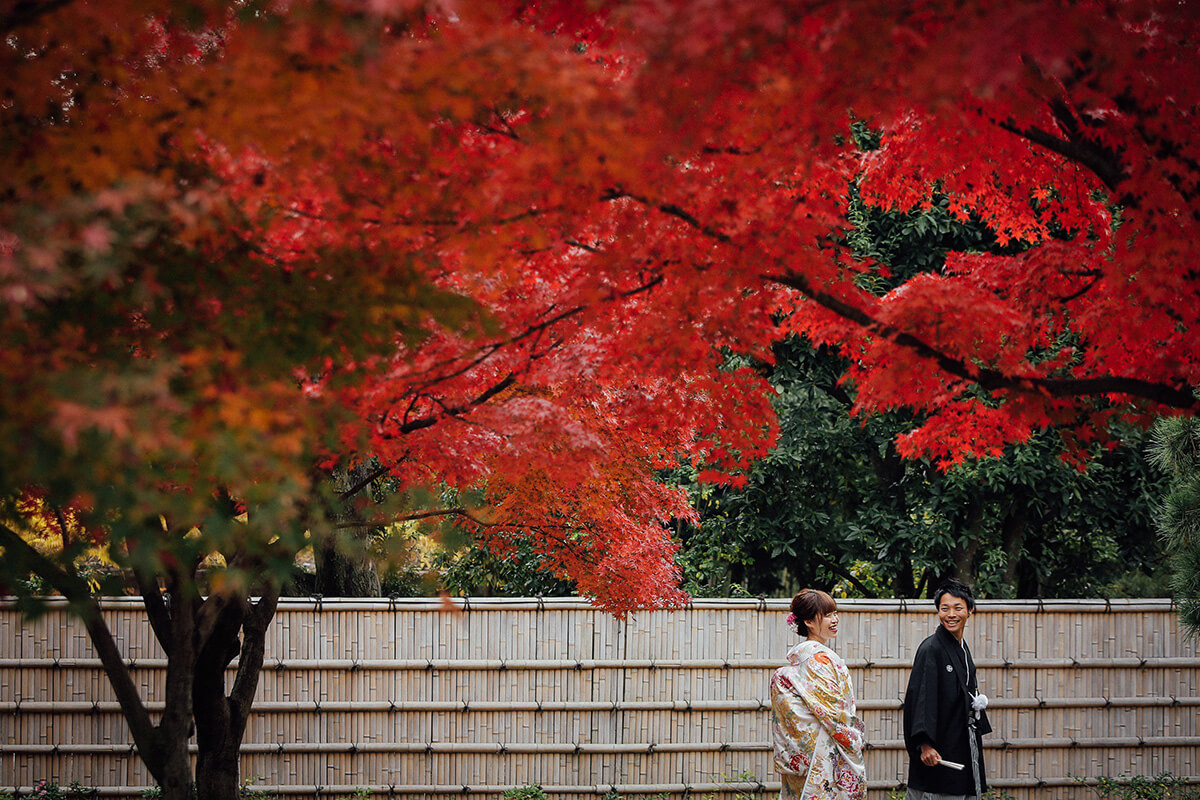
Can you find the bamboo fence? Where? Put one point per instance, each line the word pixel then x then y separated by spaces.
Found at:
pixel 408 700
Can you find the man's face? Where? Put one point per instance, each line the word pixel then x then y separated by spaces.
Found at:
pixel 953 614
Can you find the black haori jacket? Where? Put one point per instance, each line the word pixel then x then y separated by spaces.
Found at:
pixel 936 705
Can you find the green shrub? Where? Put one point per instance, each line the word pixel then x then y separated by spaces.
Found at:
pixel 1140 787
pixel 49 790
pixel 529 792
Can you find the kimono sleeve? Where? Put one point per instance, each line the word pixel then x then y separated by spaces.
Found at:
pixel 827 693
pixel 793 747
pixel 921 702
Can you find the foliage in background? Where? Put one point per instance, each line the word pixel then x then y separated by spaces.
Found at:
pixel 1140 787
pixel 528 792
pixel 835 505
pixel 1175 447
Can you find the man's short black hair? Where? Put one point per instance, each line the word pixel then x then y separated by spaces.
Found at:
pixel 955 588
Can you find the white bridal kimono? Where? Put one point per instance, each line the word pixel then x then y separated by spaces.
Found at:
pixel 818 736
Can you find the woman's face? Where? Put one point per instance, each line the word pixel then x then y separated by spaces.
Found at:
pixel 824 627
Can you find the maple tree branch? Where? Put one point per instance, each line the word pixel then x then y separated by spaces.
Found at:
pixel 455 411
pixel 366 481
pixel 991 379
pixel 730 151
pixel 255 620
pixel 1103 162
pixel 75 589
pixel 156 609
pixel 1095 276
pixel 1098 160
pixel 672 210
pixel 433 512
pixel 460 511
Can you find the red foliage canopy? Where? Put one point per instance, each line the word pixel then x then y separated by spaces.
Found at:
pixel 509 246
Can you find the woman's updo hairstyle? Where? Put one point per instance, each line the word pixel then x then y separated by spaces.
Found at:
pixel 810 604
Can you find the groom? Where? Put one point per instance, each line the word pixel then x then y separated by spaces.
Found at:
pixel 944 718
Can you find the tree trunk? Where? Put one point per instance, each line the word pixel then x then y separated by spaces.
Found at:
pixel 220 719
pixel 962 557
pixel 1012 536
pixel 889 471
pixel 344 564
pixel 339 575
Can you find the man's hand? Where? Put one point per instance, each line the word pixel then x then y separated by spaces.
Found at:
pixel 929 756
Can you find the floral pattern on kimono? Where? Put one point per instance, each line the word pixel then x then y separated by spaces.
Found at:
pixel 818 736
